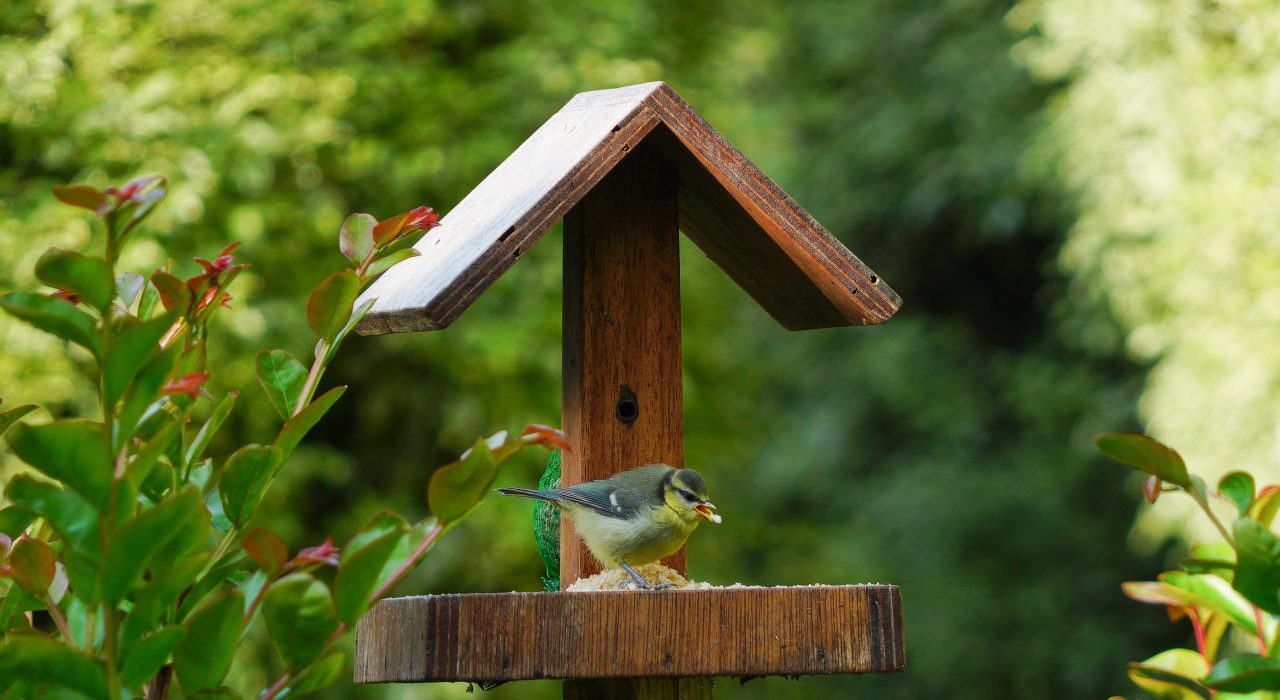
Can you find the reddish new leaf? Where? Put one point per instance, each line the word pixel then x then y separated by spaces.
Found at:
pixel 400 225
pixel 544 435
pixel 329 305
pixel 82 196
pixel 268 550
pixel 325 553
pixel 1151 488
pixel 187 385
pixel 173 293
pixel 32 565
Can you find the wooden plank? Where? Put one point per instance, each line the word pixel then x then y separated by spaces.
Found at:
pixel 509 211
pixel 766 242
pixel 652 634
pixel 622 388
pixel 792 266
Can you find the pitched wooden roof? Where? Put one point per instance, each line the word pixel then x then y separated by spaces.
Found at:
pixel 741 219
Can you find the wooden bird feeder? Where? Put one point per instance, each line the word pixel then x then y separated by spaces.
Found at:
pixel 628 169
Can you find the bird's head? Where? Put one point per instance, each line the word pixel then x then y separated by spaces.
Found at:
pixel 686 492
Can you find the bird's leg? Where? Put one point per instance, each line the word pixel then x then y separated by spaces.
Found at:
pixel 641 582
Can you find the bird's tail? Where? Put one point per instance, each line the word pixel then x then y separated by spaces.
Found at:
pixel 548 496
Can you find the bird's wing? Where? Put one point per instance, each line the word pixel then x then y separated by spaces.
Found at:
pixel 606 499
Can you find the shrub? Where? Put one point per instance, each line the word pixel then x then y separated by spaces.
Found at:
pixel 128 558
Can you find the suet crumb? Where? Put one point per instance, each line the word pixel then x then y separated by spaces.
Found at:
pixel 618 580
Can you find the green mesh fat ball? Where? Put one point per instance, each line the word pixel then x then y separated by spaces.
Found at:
pixel 546 525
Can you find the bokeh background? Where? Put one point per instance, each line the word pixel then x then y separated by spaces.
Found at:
pixel 1077 200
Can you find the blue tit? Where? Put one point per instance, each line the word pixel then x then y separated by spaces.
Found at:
pixel 633 517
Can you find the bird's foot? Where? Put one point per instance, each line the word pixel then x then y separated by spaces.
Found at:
pixel 640 582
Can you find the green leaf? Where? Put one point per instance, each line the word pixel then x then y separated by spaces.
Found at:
pixel 297 427
pixel 153 600
pixel 145 460
pixel 53 316
pixel 1172 675
pixel 355 239
pixel 410 551
pixel 14 520
pixel 32 564
pixel 363 560
pixel 225 569
pixel 320 674
pixel 356 316
pixel 15 602
pixel 1215 594
pixel 72 451
pixel 245 478
pixel 1258 564
pixel 42 661
pixel 386 262
pixel 282 377
pixel 82 196
pixel 217 516
pixel 1266 505
pixel 128 286
pixel 143 391
pixel 10 417
pixel 147 302
pixel 329 305
pixel 458 488
pixel 87 277
pixel 130 352
pixel 1245 673
pixel 135 543
pixel 210 428
pixel 144 658
pixel 205 653
pixel 268 550
pixel 1239 487
pixel 72 517
pixel 82 573
pixel 1218 558
pixel 1146 454
pixel 300 617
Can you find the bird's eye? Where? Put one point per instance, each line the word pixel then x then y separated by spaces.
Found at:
pixel 688 496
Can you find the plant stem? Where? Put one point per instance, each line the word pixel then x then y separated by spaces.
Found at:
pixel 275 687
pixel 1262 637
pixel 313 378
pixel 1199 629
pixel 110 627
pixel 1204 505
pixel 409 563
pixel 60 621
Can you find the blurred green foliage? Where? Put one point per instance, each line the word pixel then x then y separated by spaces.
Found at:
pixel 946 452
pixel 1166 137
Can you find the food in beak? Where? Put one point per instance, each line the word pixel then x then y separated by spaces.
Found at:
pixel 704 509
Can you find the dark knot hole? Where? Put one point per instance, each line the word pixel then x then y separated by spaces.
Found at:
pixel 628 408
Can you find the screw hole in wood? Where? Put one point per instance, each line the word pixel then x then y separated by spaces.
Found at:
pixel 628 408
pixel 874 279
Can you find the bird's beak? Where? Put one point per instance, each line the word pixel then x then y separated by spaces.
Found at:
pixel 705 510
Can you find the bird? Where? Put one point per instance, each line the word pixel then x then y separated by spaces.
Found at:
pixel 635 516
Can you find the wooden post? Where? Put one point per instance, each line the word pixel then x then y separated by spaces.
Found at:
pixel 622 399
pixel 622 402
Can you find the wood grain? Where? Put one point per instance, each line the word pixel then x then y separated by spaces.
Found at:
pixel 766 242
pixel 652 634
pixel 622 389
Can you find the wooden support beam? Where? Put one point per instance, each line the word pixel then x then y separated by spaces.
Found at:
pixel 679 634
pixel 622 399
